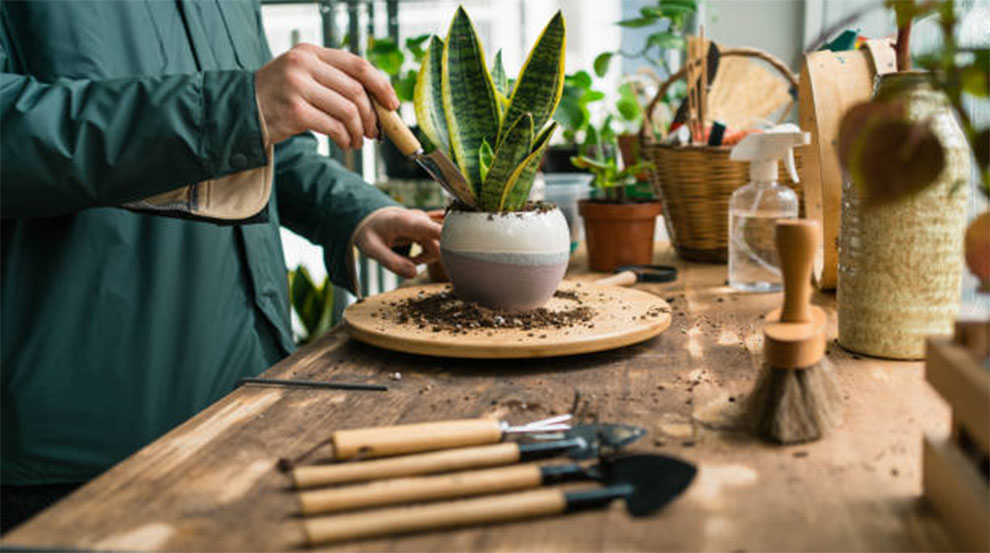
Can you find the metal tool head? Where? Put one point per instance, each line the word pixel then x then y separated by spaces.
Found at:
pixel 646 482
pixel 439 166
pixel 601 439
pixel 651 273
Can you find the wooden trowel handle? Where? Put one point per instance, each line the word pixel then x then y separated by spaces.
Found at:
pixel 413 438
pixel 397 130
pixel 407 490
pixel 625 278
pixel 407 465
pixel 796 244
pixel 385 522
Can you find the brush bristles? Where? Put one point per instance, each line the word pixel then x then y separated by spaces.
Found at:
pixel 795 405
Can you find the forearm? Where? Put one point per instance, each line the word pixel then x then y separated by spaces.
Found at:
pixel 75 144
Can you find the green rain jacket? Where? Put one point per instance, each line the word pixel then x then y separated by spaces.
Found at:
pixel 116 325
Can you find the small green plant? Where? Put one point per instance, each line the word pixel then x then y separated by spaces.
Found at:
pixel 313 304
pixel 494 130
pixel 386 55
pixel 609 178
pixel 573 111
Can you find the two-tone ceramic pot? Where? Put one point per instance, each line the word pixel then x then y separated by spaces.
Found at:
pixel 512 261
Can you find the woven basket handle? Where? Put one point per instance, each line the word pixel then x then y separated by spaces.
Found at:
pixel 781 67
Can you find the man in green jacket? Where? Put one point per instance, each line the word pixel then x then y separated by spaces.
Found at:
pixel 150 152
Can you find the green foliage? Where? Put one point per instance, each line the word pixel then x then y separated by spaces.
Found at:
pixel 669 17
pixel 313 304
pixel 495 128
pixel 386 55
pixel 608 175
pixel 573 111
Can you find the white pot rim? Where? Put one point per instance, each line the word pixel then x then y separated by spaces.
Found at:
pixel 506 232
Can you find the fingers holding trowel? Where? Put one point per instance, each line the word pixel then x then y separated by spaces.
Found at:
pixel 628 275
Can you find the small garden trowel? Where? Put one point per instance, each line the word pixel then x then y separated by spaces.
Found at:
pixel 583 441
pixel 646 482
pixel 395 491
pixel 436 163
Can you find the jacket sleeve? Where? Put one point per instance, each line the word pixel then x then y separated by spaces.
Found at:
pixel 74 143
pixel 319 199
pixel 323 202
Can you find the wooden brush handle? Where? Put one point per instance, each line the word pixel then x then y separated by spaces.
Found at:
pixel 385 522
pixel 412 438
pixel 796 245
pixel 397 131
pixel 407 465
pixel 422 488
pixel 625 278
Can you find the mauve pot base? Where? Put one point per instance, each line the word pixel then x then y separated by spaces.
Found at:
pixel 503 286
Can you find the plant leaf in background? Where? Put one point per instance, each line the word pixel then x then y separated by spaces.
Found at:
pixel 384 54
pixel 486 156
pixel 415 46
pixel 469 99
pixel 541 80
pixel 313 304
pixel 602 62
pixel 628 105
pixel 516 189
pixel 887 156
pixel 508 156
pixel 428 97
pixel 499 77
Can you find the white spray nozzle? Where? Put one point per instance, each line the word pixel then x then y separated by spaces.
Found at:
pixel 762 150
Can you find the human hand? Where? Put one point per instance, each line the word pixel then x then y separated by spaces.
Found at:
pixel 386 228
pixel 324 90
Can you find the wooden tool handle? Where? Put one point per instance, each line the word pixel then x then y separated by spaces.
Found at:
pixel 625 278
pixel 407 465
pixel 384 522
pixel 413 438
pixel 397 131
pixel 408 490
pixel 796 245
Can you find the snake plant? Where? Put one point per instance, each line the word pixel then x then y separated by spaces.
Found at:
pixel 494 129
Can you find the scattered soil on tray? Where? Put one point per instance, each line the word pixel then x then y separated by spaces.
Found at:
pixel 445 312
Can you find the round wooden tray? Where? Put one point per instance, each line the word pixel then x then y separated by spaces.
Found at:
pixel 623 316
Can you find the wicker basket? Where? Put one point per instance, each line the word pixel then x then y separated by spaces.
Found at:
pixel 695 182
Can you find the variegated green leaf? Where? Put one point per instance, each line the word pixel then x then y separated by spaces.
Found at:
pixel 469 99
pixel 516 190
pixel 541 81
pixel 485 156
pixel 499 77
pixel 428 97
pixel 509 154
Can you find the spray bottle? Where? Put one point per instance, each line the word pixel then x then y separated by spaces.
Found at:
pixel 755 208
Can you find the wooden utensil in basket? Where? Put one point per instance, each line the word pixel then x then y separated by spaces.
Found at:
pixel 694 183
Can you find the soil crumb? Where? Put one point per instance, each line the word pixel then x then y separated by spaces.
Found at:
pixel 445 312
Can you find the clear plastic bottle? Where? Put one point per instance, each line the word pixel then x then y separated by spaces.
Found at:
pixel 755 208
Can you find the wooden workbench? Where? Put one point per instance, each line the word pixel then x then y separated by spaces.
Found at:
pixel 212 483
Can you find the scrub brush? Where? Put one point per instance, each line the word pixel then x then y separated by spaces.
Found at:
pixel 796 398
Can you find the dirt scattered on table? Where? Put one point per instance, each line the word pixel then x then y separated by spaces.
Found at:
pixel 445 312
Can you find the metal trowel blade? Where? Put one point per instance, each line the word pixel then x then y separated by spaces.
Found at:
pixel 656 480
pixel 439 166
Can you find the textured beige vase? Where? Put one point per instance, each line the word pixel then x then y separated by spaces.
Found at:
pixel 900 264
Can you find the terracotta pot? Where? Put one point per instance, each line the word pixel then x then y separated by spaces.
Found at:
pixel 900 264
pixel 618 234
pixel 435 270
pixel 512 261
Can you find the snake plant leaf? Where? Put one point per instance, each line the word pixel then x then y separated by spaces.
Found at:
pixel 508 157
pixel 499 77
pixel 485 156
pixel 428 97
pixel 469 98
pixel 516 190
pixel 541 79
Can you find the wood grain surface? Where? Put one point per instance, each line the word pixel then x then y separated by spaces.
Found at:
pixel 622 316
pixel 211 484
